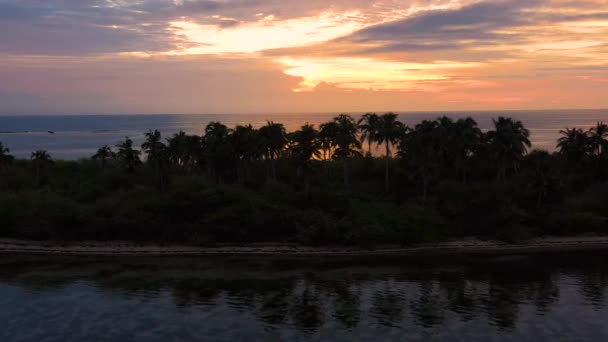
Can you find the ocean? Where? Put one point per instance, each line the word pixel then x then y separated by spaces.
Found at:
pixel 79 136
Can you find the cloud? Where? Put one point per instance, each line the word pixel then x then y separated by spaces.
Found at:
pixel 110 26
pixel 192 56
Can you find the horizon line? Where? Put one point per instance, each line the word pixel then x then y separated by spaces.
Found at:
pixel 307 113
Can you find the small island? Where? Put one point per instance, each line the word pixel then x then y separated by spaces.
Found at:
pixel 348 184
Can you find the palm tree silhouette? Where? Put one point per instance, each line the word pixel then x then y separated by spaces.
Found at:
pixel 389 131
pixel 246 143
pixel 469 137
pixel 420 149
pixel 539 178
pixel 304 145
pixel 185 151
pixel 104 154
pixel 40 160
pixel 273 140
pixel 156 153
pixel 327 133
pixel 346 142
pixel 368 126
pixel 176 150
pixel 575 144
pixel 127 155
pixel 599 138
pixel 509 142
pixel 217 149
pixel 5 158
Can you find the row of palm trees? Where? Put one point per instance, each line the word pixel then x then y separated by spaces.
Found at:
pixel 577 144
pixel 431 149
pixel 40 160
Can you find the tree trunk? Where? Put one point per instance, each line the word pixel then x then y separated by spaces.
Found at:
pixel 424 190
pixel 37 174
pixel 273 168
pixel 387 184
pixel 346 180
pixel 307 186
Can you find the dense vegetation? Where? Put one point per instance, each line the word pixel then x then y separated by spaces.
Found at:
pixel 441 179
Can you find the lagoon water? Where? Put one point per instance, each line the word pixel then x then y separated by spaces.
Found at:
pixel 553 298
pixel 79 136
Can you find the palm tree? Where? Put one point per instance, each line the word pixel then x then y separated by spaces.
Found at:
pixel 127 155
pixel 420 149
pixel 153 146
pixel 368 126
pixel 599 138
pixel 246 144
pixel 575 144
pixel 465 143
pixel 176 149
pixel 40 160
pixel 389 131
pixel 156 153
pixel 305 145
pixel 184 151
pixel 273 140
pixel 5 158
pixel 539 179
pixel 217 149
pixel 327 134
pixel 104 154
pixel 346 142
pixel 509 142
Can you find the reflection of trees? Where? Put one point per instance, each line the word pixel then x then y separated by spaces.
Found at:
pixel 502 305
pixel 545 293
pixel 463 298
pixel 190 292
pixel 307 312
pixel 428 309
pixel 275 307
pixel 347 304
pixel 275 297
pixel 387 305
pixel 306 301
pixel 593 287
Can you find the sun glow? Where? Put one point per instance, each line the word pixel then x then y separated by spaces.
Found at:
pixel 367 73
pixel 267 33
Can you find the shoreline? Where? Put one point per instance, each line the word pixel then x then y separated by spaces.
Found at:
pixel 468 247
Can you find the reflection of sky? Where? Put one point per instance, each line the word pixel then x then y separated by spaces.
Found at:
pixel 80 136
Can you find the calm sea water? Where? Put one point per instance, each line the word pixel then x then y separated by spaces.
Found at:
pixel 523 299
pixel 79 136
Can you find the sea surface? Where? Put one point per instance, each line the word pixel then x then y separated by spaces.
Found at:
pixel 74 137
pixel 551 298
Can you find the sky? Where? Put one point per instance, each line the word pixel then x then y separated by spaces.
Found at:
pixel 294 56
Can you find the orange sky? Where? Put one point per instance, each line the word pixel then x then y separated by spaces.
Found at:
pixel 223 56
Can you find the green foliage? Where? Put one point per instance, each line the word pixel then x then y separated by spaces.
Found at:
pixel 8 213
pixel 450 180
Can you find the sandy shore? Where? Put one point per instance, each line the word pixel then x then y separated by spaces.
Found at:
pixel 461 247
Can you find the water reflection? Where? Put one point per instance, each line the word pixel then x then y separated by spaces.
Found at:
pixel 505 300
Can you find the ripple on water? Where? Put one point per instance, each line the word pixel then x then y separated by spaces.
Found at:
pixel 81 300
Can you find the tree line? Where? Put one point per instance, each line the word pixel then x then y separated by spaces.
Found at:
pixel 433 164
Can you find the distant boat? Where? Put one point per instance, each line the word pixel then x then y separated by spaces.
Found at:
pixel 51 132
